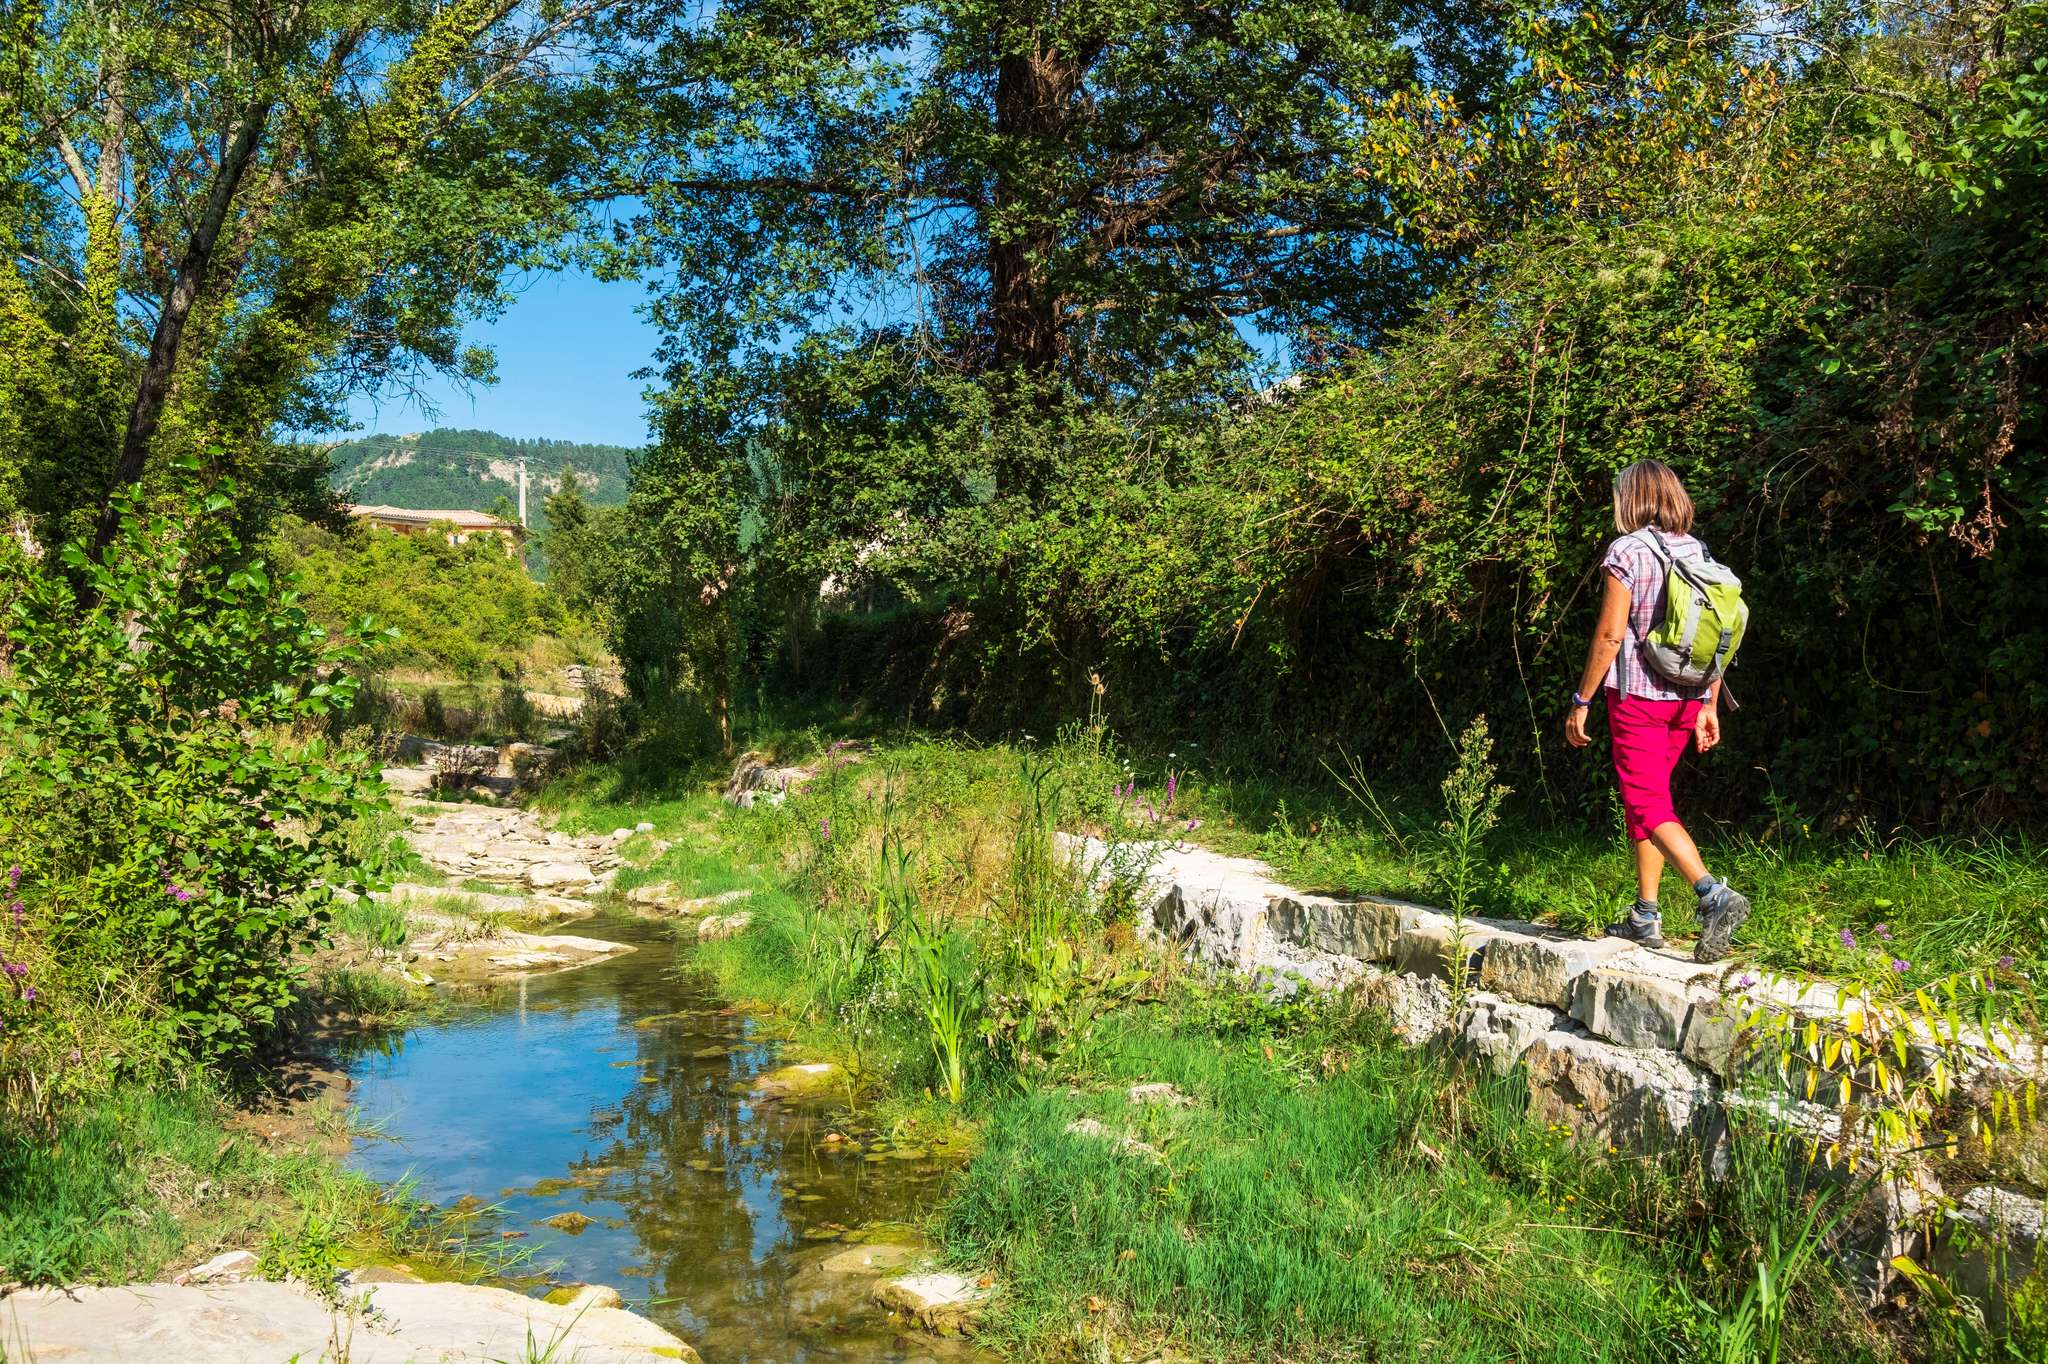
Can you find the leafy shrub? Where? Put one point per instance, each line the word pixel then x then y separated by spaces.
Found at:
pixel 175 816
pixel 468 609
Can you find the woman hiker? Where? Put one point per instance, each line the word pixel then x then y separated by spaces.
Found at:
pixel 1651 718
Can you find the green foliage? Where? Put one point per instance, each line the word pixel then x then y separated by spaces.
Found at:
pixel 1472 800
pixel 222 221
pixel 943 977
pixel 470 609
pixel 1637 241
pixel 177 818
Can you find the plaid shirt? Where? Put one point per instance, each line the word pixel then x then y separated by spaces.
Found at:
pixel 1635 564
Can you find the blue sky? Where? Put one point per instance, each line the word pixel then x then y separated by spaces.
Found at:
pixel 567 349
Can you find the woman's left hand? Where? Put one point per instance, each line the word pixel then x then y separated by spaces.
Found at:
pixel 1707 728
pixel 1575 727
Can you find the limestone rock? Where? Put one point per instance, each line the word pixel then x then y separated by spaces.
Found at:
pixel 949 1304
pixel 714 926
pixel 409 781
pixel 1991 1242
pixel 1420 1008
pixel 814 1077
pixel 228 1267
pixel 1498 1031
pixel 1643 999
pixel 578 1296
pixel 1094 1130
pixel 1540 969
pixel 1364 930
pixel 545 874
pixel 656 895
pixel 876 1259
pixel 1614 1095
pixel 257 1323
pixel 754 780
pixel 1430 944
pixel 1158 1092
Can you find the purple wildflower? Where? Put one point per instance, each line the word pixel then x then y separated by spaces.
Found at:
pixel 28 994
pixel 15 909
pixel 1848 938
pixel 1194 824
pixel 1744 981
pixel 14 968
pixel 2005 962
pixel 825 827
pixel 1901 965
pixel 1883 931
pixel 1172 785
pixel 14 877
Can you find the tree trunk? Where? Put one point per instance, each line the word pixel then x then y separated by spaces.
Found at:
pixel 1034 90
pixel 154 389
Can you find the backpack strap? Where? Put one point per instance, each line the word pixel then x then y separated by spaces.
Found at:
pixel 1649 536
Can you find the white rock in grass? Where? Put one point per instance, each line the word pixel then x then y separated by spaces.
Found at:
pixel 949 1304
pixel 715 926
pixel 1158 1092
pixel 230 1267
pixel 558 874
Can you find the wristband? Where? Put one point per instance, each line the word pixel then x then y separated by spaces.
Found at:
pixel 1579 702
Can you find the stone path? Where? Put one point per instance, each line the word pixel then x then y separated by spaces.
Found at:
pixel 1624 1046
pixel 258 1322
pixel 512 847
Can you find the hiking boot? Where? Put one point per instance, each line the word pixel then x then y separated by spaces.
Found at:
pixel 1722 911
pixel 1642 932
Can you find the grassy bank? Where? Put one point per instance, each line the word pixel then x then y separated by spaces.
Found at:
pixel 139 1182
pixel 1312 1190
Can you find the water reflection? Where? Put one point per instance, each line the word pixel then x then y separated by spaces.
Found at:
pixel 606 1110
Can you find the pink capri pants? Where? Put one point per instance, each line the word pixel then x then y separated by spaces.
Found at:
pixel 1649 739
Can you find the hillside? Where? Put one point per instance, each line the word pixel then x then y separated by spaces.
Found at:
pixel 471 469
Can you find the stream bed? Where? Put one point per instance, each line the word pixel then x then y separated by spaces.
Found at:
pixel 603 1116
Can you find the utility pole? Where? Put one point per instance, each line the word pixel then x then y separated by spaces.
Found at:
pixel 522 494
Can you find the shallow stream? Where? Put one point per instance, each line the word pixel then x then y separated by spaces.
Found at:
pixel 619 1093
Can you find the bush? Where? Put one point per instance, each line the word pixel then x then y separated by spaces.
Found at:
pixel 175 819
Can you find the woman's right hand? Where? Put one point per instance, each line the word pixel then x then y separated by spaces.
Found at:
pixel 1575 728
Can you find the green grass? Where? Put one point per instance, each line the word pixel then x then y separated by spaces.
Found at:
pixel 1328 1195
pixel 1949 904
pixel 138 1181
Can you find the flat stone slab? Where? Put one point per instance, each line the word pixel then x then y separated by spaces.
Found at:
pixel 267 1323
pixel 949 1304
pixel 1539 968
pixel 1613 1095
pixel 1644 999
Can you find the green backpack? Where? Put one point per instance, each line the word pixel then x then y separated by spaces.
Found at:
pixel 1704 617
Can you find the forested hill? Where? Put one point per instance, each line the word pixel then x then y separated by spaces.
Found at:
pixel 471 469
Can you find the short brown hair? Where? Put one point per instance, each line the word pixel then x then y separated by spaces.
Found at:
pixel 1648 493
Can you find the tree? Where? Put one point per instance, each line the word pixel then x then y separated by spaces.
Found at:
pixel 672 583
pixel 568 547
pixel 567 512
pixel 225 216
pixel 1038 190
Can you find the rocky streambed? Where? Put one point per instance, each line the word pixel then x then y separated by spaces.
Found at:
pixel 653 1177
pixel 620 1125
